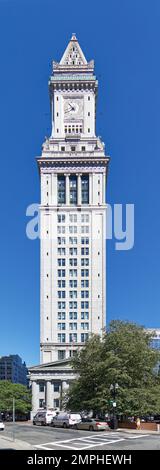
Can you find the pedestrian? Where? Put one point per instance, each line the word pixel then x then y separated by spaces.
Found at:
pixel 138 423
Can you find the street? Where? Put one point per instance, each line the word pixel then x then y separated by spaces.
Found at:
pixel 46 438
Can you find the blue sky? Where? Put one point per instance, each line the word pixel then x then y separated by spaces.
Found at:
pixel 123 37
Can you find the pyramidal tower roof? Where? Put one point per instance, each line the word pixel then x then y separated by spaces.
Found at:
pixel 73 54
pixel 73 59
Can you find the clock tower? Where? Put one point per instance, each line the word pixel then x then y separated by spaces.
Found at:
pixel 73 169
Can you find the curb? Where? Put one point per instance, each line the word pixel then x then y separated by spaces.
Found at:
pixel 138 431
pixel 18 442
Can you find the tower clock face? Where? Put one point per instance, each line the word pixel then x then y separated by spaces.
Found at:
pixel 73 108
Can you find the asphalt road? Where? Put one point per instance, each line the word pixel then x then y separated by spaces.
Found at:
pixel 47 438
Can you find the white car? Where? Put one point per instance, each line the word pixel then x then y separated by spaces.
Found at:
pixel 1 426
pixel 66 420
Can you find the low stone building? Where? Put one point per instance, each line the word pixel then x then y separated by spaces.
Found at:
pixel 49 383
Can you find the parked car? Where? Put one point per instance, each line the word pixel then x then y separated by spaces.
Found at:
pixel 92 425
pixel 1 425
pixel 66 420
pixel 43 418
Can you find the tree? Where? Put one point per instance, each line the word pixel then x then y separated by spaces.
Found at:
pixel 22 396
pixel 123 356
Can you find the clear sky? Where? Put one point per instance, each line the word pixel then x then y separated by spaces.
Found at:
pixel 123 36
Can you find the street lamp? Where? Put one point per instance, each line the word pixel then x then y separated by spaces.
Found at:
pixel 113 390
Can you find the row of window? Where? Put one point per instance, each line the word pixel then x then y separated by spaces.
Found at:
pixel 73 326
pixel 73 240
pixel 72 283
pixel 73 305
pixel 73 189
pixel 73 251
pixel 72 337
pixel 73 315
pixel 72 218
pixel 73 229
pixel 73 294
pixel 73 261
pixel 73 149
pixel 73 273
pixel 56 403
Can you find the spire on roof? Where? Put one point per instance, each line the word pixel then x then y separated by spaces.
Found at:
pixel 73 54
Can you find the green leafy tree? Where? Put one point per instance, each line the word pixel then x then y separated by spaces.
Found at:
pixel 123 356
pixel 22 396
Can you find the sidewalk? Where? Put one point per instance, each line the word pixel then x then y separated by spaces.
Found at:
pixel 8 444
pixel 138 431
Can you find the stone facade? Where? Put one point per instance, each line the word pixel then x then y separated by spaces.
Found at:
pixel 73 172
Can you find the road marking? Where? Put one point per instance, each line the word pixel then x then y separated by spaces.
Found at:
pixel 138 437
pixel 88 442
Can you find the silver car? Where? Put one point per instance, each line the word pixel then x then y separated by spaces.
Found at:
pixel 92 425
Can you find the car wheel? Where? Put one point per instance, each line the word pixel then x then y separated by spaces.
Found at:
pixel 75 426
pixel 91 428
pixel 64 425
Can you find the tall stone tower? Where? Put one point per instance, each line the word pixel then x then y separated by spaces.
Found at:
pixel 73 169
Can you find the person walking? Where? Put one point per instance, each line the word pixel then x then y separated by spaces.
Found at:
pixel 138 423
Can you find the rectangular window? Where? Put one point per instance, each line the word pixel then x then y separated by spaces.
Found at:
pixel 84 305
pixel 85 229
pixel 73 326
pixel 85 262
pixel 61 338
pixel 60 218
pixel 73 217
pixel 61 251
pixel 72 305
pixel 61 305
pixel 56 387
pixel 73 315
pixel 84 337
pixel 84 294
pixel 73 283
pixel 61 261
pixel 73 240
pixel 85 326
pixel 55 403
pixel 85 218
pixel 73 337
pixel 41 387
pixel 61 354
pixel 85 241
pixel 72 229
pixel 73 261
pixel 61 294
pixel 73 272
pixel 72 353
pixel 61 240
pixel 61 326
pixel 61 229
pixel 63 149
pixel 85 189
pixel 61 316
pixel 84 272
pixel 41 402
pixel 73 189
pixel 84 315
pixel 61 283
pixel 84 283
pixel 61 272
pixel 84 251
pixel 61 185
pixel 73 251
pixel 73 294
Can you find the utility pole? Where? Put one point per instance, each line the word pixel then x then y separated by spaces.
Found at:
pixel 13 419
pixel 113 390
